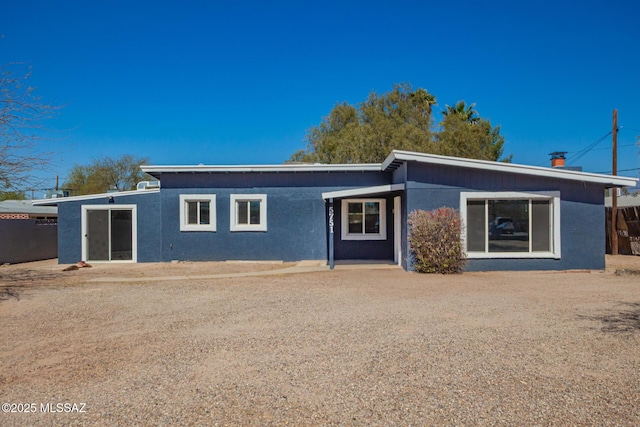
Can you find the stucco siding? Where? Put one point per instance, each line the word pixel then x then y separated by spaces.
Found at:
pixel 296 227
pixel 325 180
pixel 581 212
pixel 69 233
pixel 296 214
pixel 148 226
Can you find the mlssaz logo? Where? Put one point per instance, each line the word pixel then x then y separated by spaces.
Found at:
pixel 63 407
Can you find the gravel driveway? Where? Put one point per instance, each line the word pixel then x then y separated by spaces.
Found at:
pixel 344 347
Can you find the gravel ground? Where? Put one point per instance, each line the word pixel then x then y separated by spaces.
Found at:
pixel 344 347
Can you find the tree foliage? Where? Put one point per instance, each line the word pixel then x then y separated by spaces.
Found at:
pixel 466 113
pixel 11 195
pixel 107 173
pixel 473 138
pixel 21 127
pixel 399 120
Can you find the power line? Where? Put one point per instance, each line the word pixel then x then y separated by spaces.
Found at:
pixel 588 148
pixel 604 148
pixel 621 170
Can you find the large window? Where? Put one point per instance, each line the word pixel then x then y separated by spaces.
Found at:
pixel 197 212
pixel 248 212
pixel 511 225
pixel 364 219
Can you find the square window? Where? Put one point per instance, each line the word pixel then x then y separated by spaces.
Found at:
pixel 248 212
pixel 364 219
pixel 197 212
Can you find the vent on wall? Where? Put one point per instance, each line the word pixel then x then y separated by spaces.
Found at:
pixel 147 185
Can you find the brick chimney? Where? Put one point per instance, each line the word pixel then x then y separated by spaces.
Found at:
pixel 557 159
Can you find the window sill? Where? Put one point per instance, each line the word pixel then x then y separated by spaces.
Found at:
pixel 249 228
pixel 364 237
pixel 512 255
pixel 205 228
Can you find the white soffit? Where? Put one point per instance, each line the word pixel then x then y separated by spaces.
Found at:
pixel 363 191
pixel 612 180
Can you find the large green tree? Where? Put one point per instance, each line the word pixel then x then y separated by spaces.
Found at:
pixel 105 174
pixel 464 135
pixel 366 133
pixel 399 120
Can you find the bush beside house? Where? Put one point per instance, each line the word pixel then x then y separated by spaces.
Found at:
pixel 435 238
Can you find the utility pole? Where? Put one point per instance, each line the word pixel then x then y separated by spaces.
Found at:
pixel 614 191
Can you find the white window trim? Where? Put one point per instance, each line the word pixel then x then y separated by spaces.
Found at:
pixel 345 220
pixel 262 198
pixel 552 196
pixel 211 198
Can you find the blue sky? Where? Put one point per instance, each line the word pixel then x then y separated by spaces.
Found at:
pixel 222 82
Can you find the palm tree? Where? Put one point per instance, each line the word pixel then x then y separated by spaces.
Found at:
pixel 468 114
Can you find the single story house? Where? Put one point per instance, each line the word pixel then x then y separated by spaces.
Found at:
pixel 516 217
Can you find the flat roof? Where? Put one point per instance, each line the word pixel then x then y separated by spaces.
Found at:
pixel 397 157
pixel 55 201
pixel 316 167
pixel 25 207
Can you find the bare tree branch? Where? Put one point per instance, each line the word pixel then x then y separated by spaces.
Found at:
pixel 21 128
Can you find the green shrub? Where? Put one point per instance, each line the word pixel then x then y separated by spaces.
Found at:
pixel 436 243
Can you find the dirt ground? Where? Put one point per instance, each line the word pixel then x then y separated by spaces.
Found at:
pixel 372 345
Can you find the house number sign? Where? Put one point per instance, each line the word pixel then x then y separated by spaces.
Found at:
pixel 331 219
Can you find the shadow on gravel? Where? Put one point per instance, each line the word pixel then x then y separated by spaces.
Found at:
pixel 13 282
pixel 626 318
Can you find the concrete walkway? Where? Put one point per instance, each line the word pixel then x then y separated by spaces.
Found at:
pixel 301 267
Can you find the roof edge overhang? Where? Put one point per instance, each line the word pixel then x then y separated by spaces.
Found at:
pixel 398 156
pixel 54 202
pixel 367 167
pixel 363 191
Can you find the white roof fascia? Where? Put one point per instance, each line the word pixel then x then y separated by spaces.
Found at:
pixel 363 191
pixel 55 201
pixel 264 168
pixel 613 180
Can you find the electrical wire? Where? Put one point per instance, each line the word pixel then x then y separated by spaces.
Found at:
pixel 605 148
pixel 620 170
pixel 579 154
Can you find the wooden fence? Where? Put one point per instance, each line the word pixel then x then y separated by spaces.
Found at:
pixel 628 226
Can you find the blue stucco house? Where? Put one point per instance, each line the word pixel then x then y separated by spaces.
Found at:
pixel 516 217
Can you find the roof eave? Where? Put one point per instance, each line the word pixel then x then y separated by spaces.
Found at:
pixel 150 169
pixel 54 202
pixel 606 180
